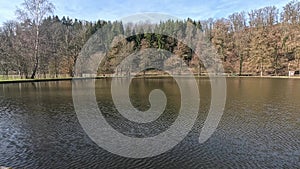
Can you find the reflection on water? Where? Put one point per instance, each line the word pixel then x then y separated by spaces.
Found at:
pixel 260 127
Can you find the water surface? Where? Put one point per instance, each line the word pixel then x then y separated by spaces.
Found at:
pixel 260 127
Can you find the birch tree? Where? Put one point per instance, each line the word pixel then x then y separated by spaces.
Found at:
pixel 34 11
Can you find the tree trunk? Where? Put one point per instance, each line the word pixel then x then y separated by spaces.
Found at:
pixel 276 63
pixel 6 73
pixel 36 53
pixel 298 65
pixel 276 68
pixel 241 65
pixel 261 67
pixel 35 68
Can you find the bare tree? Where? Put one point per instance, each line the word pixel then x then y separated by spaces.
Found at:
pixel 34 11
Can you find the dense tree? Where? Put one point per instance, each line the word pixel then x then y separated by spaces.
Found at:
pixel 261 42
pixel 291 13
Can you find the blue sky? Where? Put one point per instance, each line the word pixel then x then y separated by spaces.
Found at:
pixel 92 10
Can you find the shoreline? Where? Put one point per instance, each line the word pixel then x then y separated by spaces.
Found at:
pixel 138 77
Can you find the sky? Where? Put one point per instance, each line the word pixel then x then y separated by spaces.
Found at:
pixel 92 10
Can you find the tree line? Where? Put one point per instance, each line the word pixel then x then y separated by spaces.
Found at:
pixel 264 41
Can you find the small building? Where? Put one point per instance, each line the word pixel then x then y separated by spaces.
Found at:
pixel 294 73
pixel 291 73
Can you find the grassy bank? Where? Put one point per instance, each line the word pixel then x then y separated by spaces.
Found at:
pixel 147 76
pixel 31 80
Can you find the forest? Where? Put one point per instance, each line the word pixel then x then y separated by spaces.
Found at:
pixel 40 44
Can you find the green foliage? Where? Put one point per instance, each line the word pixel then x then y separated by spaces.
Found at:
pixel 262 41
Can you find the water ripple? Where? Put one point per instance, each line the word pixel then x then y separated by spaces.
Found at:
pixel 39 129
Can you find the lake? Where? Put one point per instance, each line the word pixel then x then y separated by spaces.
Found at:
pixel 260 127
